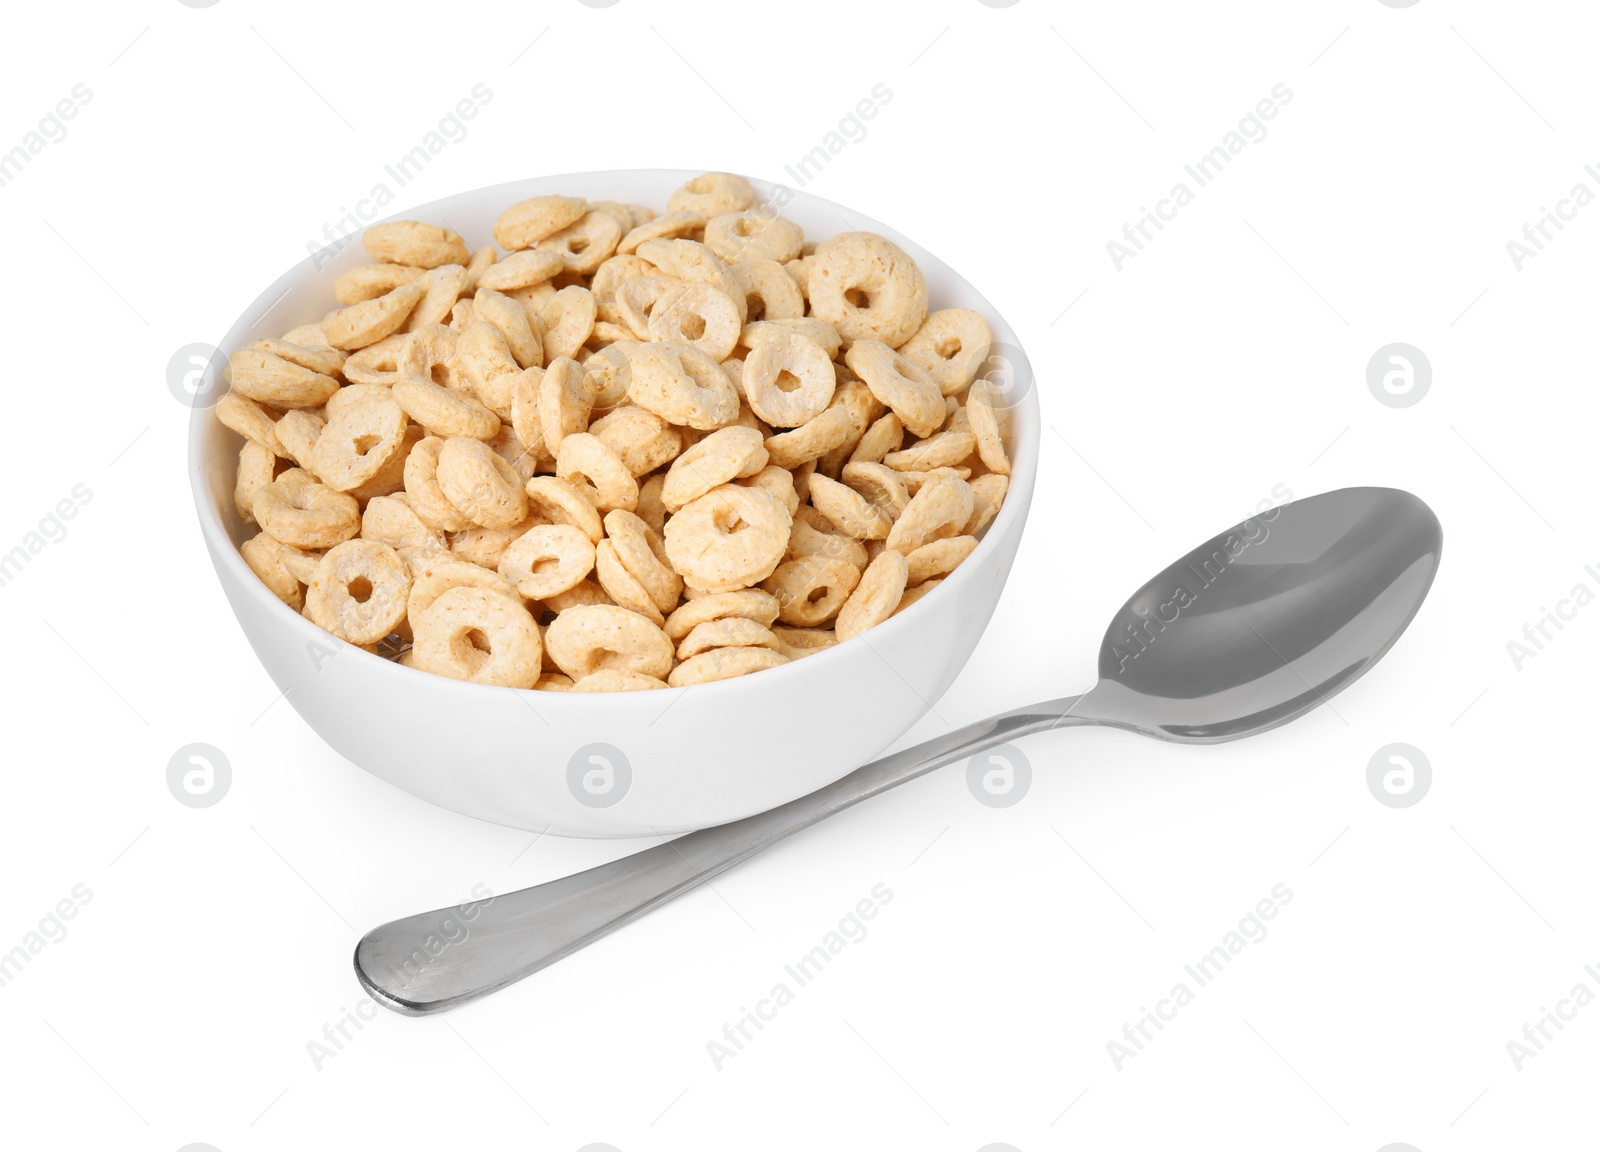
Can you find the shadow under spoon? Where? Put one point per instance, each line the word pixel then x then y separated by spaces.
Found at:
pixel 1256 627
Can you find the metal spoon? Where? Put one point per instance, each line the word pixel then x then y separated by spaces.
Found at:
pixel 1252 629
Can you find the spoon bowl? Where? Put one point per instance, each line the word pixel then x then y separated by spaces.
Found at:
pixel 1264 622
pixel 1254 628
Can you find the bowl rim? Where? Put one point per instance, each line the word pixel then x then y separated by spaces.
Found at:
pixel 1026 437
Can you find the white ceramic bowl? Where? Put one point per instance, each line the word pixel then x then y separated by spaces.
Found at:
pixel 680 758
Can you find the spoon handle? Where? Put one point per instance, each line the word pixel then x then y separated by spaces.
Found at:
pixel 436 960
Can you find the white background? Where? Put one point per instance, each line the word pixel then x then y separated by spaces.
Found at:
pixel 1226 359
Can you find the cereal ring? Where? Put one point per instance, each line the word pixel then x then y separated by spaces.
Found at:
pixel 485 365
pixel 357 442
pixel 915 480
pixel 729 632
pixel 749 603
pixel 527 222
pixel 481 485
pixel 814 438
pixel 724 664
pixel 585 593
pixel 585 640
pixel 616 210
pixel 938 558
pixel 868 289
pixel 806 539
pixel 486 547
pixel 359 591
pixel 940 508
pixel 264 555
pixel 433 576
pixel 562 405
pixel 605 377
pixel 949 347
pixel 986 428
pixel 942 450
pixel 753 235
pixel 911 595
pixel 428 351
pixel 523 460
pixel 371 320
pixel 568 320
pixel 730 538
pixel 879 485
pixel 535 298
pixel 525 411
pixel 422 487
pixel 788 380
pixel 883 437
pixel 797 642
pixel 812 590
pixel 642 552
pixel 442 287
pixel 560 503
pixel 617 680
pixel 636 298
pixel 691 261
pixel 521 270
pixel 443 412
pixel 610 275
pixel 642 439
pixel 393 521
pixel 863 408
pixel 480 635
pixel 391 477
pixel 307 336
pixel 584 244
pixel 819 332
pixel 725 455
pixel 554 682
pixel 270 379
pixel 589 465
pixel 481 260
pixel 415 243
pixel 621 585
pixel 376 363
pixel 700 315
pixel 249 420
pixel 849 511
pixel 900 384
pixel 669 226
pixel 682 385
pixel 777 482
pixel 257 467
pixel 369 281
pixel 321 359
pixel 297 431
pixel 988 493
pixel 712 194
pixel 514 323
pixel 769 292
pixel 547 559
pixel 875 598
pixel 300 510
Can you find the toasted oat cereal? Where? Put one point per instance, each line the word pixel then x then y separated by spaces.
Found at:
pixel 617 451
